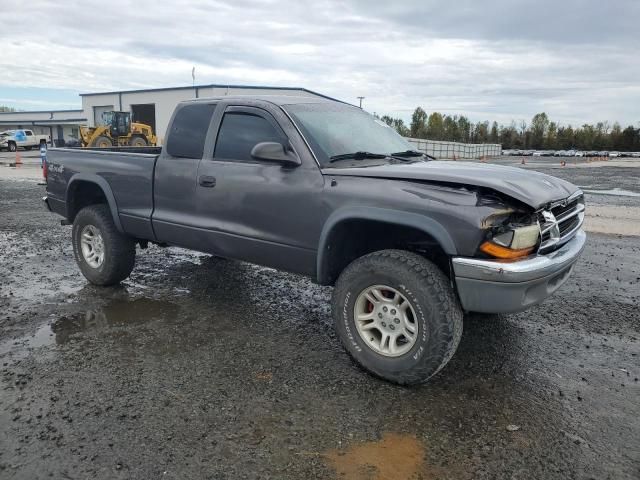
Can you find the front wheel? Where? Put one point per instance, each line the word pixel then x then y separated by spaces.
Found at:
pixel 397 316
pixel 138 141
pixel 12 147
pixel 102 141
pixel 105 256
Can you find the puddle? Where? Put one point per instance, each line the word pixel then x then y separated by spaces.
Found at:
pixel 62 329
pixel 117 312
pixel 20 348
pixel 618 192
pixel 394 457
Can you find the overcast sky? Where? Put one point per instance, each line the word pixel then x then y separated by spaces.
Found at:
pixel 578 60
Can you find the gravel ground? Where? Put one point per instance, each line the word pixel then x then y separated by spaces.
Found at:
pixel 198 367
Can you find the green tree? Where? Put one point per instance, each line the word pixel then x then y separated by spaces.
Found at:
pixel 494 137
pixel 539 128
pixel 418 127
pixel 435 127
pixel 4 108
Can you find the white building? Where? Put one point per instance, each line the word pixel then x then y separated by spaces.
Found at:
pixel 152 106
pixel 58 124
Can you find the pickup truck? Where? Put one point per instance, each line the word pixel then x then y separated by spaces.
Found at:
pixel 323 189
pixel 12 139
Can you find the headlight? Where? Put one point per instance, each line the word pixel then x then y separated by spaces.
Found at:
pixel 514 243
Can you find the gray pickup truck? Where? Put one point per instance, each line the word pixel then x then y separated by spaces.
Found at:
pixel 323 189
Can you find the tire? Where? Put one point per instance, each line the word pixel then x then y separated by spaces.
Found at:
pixel 102 142
pixel 433 305
pixel 138 142
pixel 118 250
pixel 12 147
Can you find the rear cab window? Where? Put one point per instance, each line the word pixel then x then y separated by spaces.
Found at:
pixel 188 130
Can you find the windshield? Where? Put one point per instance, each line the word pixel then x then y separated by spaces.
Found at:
pixel 335 129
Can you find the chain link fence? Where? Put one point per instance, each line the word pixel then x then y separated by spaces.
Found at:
pixel 456 150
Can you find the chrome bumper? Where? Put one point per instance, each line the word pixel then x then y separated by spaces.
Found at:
pixel 492 286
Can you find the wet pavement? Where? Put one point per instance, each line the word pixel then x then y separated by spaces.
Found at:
pixel 199 367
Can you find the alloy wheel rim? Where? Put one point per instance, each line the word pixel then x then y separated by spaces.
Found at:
pixel 92 246
pixel 385 320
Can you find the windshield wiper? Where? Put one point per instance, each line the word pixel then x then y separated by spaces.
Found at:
pixel 408 153
pixel 411 153
pixel 356 156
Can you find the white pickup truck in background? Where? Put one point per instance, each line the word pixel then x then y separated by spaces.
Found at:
pixel 12 139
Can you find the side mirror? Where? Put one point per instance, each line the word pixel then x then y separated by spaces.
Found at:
pixel 275 152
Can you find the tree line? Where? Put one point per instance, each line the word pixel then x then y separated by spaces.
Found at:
pixel 541 133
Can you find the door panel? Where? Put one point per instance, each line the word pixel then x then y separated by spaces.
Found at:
pixel 175 175
pixel 259 211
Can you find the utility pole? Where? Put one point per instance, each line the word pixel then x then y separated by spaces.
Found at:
pixel 360 98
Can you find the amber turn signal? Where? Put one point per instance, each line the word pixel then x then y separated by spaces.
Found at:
pixel 499 251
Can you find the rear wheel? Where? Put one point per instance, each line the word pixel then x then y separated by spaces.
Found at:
pixel 138 142
pixel 105 256
pixel 397 316
pixel 102 142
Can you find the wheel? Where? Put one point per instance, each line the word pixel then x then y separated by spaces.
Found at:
pixel 12 147
pixel 102 142
pixel 104 255
pixel 397 316
pixel 138 142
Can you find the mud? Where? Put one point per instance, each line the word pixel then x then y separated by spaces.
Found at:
pixel 198 367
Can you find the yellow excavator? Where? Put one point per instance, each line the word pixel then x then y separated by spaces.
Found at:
pixel 118 131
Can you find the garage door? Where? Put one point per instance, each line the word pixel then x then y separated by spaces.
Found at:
pixel 98 111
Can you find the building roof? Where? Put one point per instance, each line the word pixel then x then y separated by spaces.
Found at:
pixel 41 111
pixel 210 85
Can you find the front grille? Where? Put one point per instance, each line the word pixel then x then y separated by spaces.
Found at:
pixel 560 222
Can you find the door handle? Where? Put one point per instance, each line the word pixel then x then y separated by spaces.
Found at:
pixel 207 181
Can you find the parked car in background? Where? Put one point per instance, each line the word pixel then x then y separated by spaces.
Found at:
pixel 13 139
pixel 538 153
pixel 614 154
pixel 579 153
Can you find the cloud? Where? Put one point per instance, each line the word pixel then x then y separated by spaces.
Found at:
pixel 497 59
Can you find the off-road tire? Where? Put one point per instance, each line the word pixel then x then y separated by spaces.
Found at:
pixel 12 147
pixel 119 250
pixel 432 297
pixel 102 142
pixel 138 141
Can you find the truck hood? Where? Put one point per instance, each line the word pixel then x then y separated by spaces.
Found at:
pixel 532 188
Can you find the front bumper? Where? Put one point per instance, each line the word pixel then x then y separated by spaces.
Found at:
pixel 491 286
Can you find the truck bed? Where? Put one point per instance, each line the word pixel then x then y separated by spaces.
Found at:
pixel 124 173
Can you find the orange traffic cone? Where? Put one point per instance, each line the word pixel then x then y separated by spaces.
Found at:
pixel 563 163
pixel 18 159
pixel 523 162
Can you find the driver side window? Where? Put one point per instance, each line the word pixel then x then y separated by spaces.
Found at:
pixel 240 132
